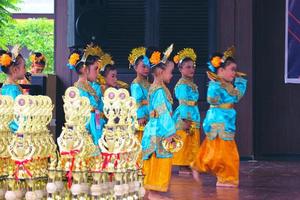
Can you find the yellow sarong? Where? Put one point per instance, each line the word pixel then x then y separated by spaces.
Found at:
pixel 220 158
pixel 188 152
pixel 157 173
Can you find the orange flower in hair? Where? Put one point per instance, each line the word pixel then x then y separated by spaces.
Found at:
pixel 155 57
pixel 32 57
pixel 5 60
pixel 176 59
pixel 216 61
pixel 74 58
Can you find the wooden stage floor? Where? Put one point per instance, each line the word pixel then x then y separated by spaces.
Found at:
pixel 262 180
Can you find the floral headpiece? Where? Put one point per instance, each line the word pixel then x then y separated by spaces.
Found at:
pixel 6 60
pixel 37 59
pixel 73 60
pixel 216 61
pixel 156 55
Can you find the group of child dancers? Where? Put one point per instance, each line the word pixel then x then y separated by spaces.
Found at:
pixel 157 121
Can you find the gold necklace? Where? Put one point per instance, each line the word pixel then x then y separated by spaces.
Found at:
pixel 156 86
pixel 142 81
pixel 10 82
pixel 86 87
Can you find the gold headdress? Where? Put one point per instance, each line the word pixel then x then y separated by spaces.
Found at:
pixel 185 53
pixel 106 59
pixel 15 51
pixel 135 54
pixel 230 52
pixel 216 62
pixel 93 50
pixel 167 53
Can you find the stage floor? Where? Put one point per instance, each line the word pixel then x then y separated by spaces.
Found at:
pixel 262 180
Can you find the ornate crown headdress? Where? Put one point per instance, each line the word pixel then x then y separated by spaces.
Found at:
pixel 105 60
pixel 137 53
pixel 93 50
pixel 185 53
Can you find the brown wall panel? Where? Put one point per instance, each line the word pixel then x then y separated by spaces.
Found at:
pixel 235 28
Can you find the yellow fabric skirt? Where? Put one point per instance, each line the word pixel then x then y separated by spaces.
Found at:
pixel 157 173
pixel 220 158
pixel 188 152
pixel 139 135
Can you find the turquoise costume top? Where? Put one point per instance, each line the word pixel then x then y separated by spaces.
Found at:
pixel 221 116
pixel 160 124
pixel 95 125
pixel 13 90
pixel 97 87
pixel 139 90
pixel 187 94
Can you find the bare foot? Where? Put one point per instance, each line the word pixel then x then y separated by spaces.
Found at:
pixel 146 195
pixel 196 176
pixel 226 185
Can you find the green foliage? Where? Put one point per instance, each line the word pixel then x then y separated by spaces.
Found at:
pixel 35 35
pixel 5 16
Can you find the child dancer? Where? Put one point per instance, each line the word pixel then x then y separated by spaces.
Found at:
pixel 218 153
pixel 13 65
pixel 186 115
pixel 140 86
pixel 38 63
pixel 108 74
pixel 86 67
pixel 160 128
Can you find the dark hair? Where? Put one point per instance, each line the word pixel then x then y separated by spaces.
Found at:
pixel 108 68
pixel 2 52
pixel 180 64
pixel 13 63
pixel 140 58
pixel 91 59
pixel 41 62
pixel 158 66
pixel 228 61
